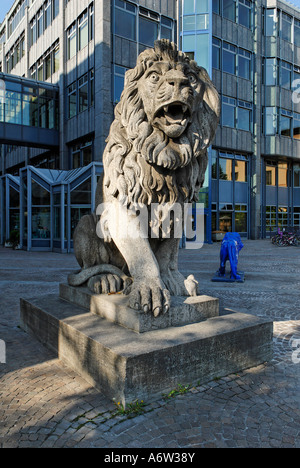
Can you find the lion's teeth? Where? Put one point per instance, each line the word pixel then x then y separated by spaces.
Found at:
pixel 184 108
pixel 166 108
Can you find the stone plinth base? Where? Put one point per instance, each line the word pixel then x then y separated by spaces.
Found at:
pixel 113 307
pixel 127 365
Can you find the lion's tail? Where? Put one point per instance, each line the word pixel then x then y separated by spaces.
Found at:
pixel 80 277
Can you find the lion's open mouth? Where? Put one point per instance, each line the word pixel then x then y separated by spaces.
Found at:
pixel 173 118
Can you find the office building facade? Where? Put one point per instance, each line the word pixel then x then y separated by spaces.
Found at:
pixel 250 49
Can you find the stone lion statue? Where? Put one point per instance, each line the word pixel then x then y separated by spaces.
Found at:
pixel 155 154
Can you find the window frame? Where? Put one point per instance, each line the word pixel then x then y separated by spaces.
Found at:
pixel 71 35
pixel 228 48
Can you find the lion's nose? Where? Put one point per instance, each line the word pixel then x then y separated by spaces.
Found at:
pixel 178 80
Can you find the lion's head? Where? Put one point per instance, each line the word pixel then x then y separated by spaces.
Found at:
pixel 164 122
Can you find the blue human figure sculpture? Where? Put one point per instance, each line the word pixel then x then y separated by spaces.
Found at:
pixel 230 247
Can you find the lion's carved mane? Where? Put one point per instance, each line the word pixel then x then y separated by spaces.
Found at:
pixel 141 163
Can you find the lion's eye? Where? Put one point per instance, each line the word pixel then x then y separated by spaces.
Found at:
pixel 192 78
pixel 153 77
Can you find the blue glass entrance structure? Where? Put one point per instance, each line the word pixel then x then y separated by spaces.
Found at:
pixel 51 204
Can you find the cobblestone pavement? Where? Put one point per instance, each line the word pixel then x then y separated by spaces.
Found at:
pixel 45 404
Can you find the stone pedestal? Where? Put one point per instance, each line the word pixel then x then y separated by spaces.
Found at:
pixel 129 355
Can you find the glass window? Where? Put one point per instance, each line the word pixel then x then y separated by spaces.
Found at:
pixel 271 216
pixel 41 223
pixel 285 74
pixel 245 13
pixel 229 58
pixel 271 22
pixel 202 50
pixel 125 20
pixel 83 93
pixel 40 70
pixel 92 88
pixel 270 120
pixel 72 98
pixel 296 175
pixel 71 38
pixel 148 31
pixel 240 220
pixel 188 7
pixel 40 22
pixel 216 6
pixel 76 159
pixel 282 175
pixel 201 22
pixel 296 216
pixel 13 109
pixel 225 221
pixel 30 110
pixel 188 42
pixel 216 53
pixel 33 31
pixel 282 216
pixel 83 30
pixel 296 126
pixel 57 223
pixel 202 7
pixel 33 72
pixel 225 169
pixel 271 175
pixel 229 9
pixel 47 13
pixel 286 27
pixel 240 170
pixel 56 59
pixel 22 46
pixel 81 195
pixel 87 155
pixel 244 115
pixel 285 123
pixel 297 32
pixel 189 23
pixel 76 215
pixel 228 112
pixel 48 66
pixel 270 71
pixel 214 164
pixel 119 76
pixel 55 4
pixel 91 21
pixel 166 28
pixel 244 64
pixel 39 195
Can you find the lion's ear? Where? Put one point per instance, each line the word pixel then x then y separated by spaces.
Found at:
pixel 209 112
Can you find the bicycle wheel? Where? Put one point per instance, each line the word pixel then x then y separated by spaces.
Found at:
pixel 280 242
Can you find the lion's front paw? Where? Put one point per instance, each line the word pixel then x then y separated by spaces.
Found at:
pixel 149 295
pixel 107 283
